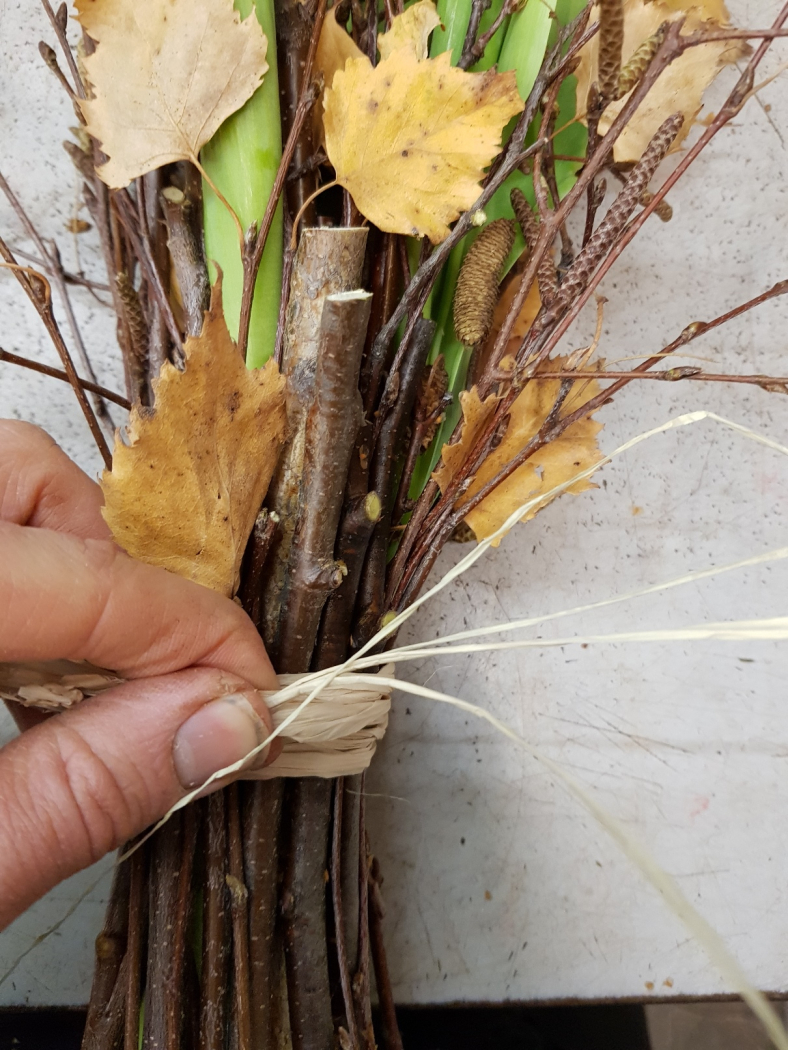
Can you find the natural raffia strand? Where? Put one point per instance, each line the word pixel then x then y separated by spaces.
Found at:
pixel 335 736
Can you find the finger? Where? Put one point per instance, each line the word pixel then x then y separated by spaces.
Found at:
pixel 69 598
pixel 83 783
pixel 41 487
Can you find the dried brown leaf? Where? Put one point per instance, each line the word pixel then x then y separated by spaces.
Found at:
pixel 185 491
pixel 559 460
pixel 164 76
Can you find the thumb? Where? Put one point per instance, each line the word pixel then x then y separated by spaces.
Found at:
pixel 86 781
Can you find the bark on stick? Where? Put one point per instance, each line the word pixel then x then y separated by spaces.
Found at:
pixel 184 240
pixel 333 421
pixel 327 261
pixel 304 911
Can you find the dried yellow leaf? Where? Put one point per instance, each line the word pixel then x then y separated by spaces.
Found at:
pixel 334 49
pixel 185 491
pixel 574 451
pixel 681 85
pixel 411 29
pixel 164 76
pixel 410 138
pixel 528 311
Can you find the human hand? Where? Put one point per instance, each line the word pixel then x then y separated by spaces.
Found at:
pixel 76 786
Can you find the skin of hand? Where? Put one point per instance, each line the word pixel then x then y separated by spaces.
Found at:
pixel 79 784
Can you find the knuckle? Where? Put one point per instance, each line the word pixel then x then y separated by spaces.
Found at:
pixel 99 810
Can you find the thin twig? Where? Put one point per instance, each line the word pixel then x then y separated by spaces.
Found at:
pixel 390 1036
pixel 478 7
pixel 60 32
pixel 44 311
pixel 339 916
pixel 774 384
pixel 54 267
pixel 141 244
pixel 253 259
pixel 57 373
pixel 471 54
pixel 239 910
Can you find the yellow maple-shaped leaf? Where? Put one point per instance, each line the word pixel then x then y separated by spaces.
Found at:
pixel 679 88
pixel 559 460
pixel 164 76
pixel 185 491
pixel 411 29
pixel 410 138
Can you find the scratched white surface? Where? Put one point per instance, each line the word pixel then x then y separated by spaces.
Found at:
pixel 498 885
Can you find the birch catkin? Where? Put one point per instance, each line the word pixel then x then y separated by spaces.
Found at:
pixel 611 41
pixel 477 285
pixel 617 217
pixel 529 224
pixel 633 71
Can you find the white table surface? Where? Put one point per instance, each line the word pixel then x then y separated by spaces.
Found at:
pixel 498 885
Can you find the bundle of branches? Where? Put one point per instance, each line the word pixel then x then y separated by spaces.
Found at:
pixel 373 373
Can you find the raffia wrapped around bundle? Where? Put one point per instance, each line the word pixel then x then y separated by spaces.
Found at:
pixel 335 735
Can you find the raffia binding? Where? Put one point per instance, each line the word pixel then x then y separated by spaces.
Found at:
pixel 335 736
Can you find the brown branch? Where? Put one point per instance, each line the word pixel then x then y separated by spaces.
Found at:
pixel 386 285
pixel 361 981
pixel 478 7
pixel 184 240
pixel 110 951
pixel 328 261
pixel 78 279
pixel 345 978
pixel 59 23
pixel 216 929
pixel 44 310
pixel 304 914
pixel 355 531
pixel 172 853
pixel 429 411
pixel 529 224
pixel 298 28
pixel 262 813
pixel 772 384
pixel 263 536
pixel 50 61
pixel 332 424
pixel 57 373
pixel 141 243
pixel 612 225
pixel 239 910
pixel 138 919
pixel 395 418
pixel 471 54
pixel 390 1037
pixel 54 268
pixel 149 202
